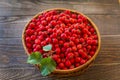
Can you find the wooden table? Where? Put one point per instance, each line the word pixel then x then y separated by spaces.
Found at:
pixel 15 13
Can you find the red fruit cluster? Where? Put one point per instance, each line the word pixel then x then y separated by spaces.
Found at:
pixel 72 36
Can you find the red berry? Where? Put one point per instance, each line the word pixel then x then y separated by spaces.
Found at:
pixel 74 16
pixel 89 47
pixel 71 43
pixel 61 65
pixel 76 41
pixel 70 55
pixel 84 55
pixel 84 49
pixel 62 25
pixel 44 23
pixel 62 55
pixel 74 35
pixel 59 32
pixel 80 51
pixel 40 38
pixel 67 32
pixel 30 51
pixel 85 31
pixel 33 20
pixel 76 54
pixel 63 35
pixel 48 40
pixel 41 51
pixel 58 61
pixel 78 59
pixel 53 23
pixel 65 68
pixel 54 30
pixel 81 40
pixel 92 30
pixel 57 27
pixel 67 63
pixel 28 45
pixel 92 53
pixel 66 45
pixel 71 67
pixel 38 47
pixel 48 19
pixel 34 50
pixel 59 22
pixel 54 35
pixel 43 43
pixel 74 48
pixel 50 30
pixel 77 64
pixel 72 60
pixel 72 38
pixel 32 25
pixel 94 48
pixel 95 37
pixel 89 57
pixel 94 42
pixel 55 57
pixel 56 46
pixel 72 20
pixel 57 50
pixel 67 12
pixel 78 32
pixel 69 50
pixel 33 37
pixel 89 42
pixel 55 41
pixel 66 21
pixel 79 46
pixel 82 26
pixel 28 39
pixel 29 32
pixel 82 61
pixel 63 49
pixel 42 28
pixel 37 41
pixel 80 20
pixel 74 31
pixel 55 17
pixel 61 42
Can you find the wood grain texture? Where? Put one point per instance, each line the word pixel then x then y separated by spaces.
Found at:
pixel 95 72
pixel 26 7
pixel 15 14
pixel 13 26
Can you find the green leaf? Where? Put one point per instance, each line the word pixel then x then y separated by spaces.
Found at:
pixel 34 58
pixel 47 47
pixel 48 65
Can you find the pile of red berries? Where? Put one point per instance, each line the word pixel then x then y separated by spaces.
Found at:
pixel 72 36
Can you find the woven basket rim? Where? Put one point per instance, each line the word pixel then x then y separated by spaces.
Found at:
pixel 81 66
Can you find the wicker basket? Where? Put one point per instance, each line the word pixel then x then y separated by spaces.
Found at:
pixel 77 70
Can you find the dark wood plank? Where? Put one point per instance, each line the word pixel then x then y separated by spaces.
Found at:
pixel 63 1
pixel 82 1
pixel 95 72
pixel 33 7
pixel 13 26
pixel 12 52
